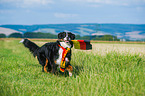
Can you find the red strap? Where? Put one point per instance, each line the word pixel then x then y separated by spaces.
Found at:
pixel 63 52
pixel 62 65
pixel 62 47
pixel 61 69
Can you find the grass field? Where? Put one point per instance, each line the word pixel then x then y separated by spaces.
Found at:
pixel 109 69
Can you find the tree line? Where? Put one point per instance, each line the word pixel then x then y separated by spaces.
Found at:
pixel 29 35
pixel 52 36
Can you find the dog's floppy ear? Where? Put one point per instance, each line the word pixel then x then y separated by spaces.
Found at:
pixel 61 35
pixel 72 36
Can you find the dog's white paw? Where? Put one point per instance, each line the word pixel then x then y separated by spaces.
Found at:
pixel 70 74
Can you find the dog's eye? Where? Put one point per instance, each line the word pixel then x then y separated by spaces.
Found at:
pixel 68 35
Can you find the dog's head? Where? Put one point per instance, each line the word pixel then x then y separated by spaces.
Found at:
pixel 65 39
pixel 66 36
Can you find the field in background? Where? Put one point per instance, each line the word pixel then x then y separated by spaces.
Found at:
pixel 108 69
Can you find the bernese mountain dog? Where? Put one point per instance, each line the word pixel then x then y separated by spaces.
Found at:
pixel 51 55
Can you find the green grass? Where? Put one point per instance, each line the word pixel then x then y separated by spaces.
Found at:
pixel 94 75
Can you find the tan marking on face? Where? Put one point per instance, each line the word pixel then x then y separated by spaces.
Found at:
pixel 55 61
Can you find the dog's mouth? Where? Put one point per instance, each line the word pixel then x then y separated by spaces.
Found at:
pixel 66 41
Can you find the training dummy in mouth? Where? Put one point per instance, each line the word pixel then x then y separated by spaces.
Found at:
pixel 82 44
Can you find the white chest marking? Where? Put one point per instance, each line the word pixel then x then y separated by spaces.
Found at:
pixel 65 45
pixel 58 61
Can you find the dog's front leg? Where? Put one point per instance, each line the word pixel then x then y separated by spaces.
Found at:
pixel 69 68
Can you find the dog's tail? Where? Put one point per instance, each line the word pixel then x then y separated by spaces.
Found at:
pixel 30 45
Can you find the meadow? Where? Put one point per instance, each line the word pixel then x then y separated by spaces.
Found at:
pixel 109 69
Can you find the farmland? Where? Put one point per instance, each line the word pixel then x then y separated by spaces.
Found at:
pixel 108 69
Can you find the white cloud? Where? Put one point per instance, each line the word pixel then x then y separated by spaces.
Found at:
pixel 64 15
pixel 41 2
pixel 113 2
pixel 26 3
pixel 5 11
pixel 135 35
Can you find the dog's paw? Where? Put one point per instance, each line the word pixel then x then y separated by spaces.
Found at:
pixel 70 74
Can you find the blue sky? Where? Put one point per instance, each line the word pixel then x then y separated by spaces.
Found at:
pixel 30 12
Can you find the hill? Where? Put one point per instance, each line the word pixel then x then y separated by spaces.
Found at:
pixel 122 31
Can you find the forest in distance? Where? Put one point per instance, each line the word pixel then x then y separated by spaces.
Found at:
pixel 52 36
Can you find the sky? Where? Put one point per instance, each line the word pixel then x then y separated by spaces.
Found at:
pixel 29 12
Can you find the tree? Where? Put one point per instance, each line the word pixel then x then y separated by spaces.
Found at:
pixel 106 38
pixel 77 37
pixel 39 35
pixel 2 35
pixel 86 38
pixel 15 35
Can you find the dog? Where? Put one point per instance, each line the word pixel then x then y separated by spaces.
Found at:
pixel 52 55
